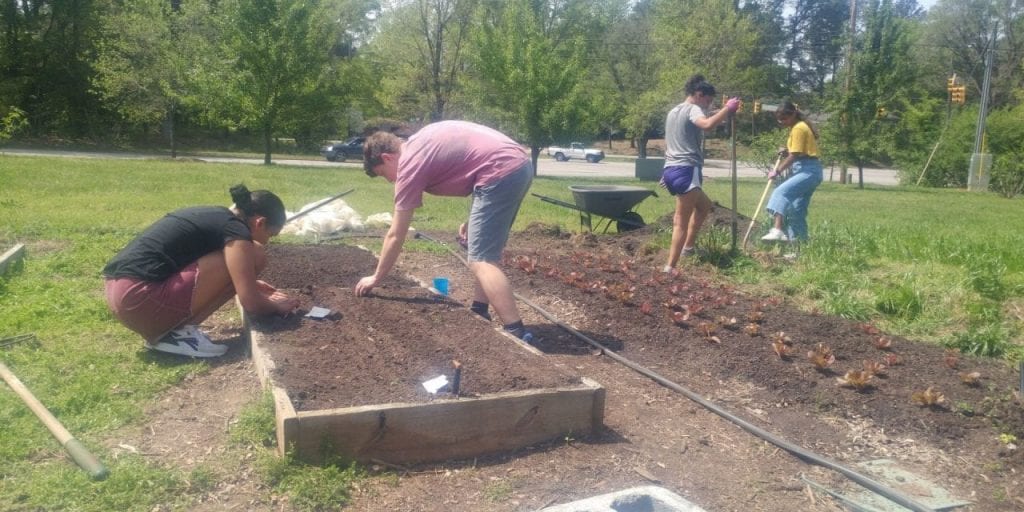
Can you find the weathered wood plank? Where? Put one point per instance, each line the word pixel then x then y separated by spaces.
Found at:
pixel 405 433
pixel 450 429
pixel 12 258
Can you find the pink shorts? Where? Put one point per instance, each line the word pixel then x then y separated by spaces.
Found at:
pixel 153 308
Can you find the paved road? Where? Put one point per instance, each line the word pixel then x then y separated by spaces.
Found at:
pixel 713 169
pixel 547 166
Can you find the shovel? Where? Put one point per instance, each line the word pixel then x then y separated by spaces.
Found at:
pixel 760 203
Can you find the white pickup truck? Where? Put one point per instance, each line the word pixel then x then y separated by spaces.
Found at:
pixel 575 150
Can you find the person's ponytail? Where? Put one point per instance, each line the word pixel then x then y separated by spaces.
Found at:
pixel 259 202
pixel 242 198
pixel 789 108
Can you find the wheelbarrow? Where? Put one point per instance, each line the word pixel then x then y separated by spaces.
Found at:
pixel 613 202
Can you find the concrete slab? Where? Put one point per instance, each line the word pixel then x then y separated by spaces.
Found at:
pixel 887 472
pixel 649 498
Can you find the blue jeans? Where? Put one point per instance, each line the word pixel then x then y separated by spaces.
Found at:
pixel 793 196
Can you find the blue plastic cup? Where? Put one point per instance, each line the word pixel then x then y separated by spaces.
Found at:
pixel 441 285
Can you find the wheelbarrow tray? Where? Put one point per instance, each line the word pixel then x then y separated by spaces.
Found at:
pixel 608 200
pixel 614 202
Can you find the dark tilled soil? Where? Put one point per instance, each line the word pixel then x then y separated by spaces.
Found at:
pixel 729 336
pixel 380 349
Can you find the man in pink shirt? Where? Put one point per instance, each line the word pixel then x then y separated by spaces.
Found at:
pixel 456 158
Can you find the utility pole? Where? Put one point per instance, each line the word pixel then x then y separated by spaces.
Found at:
pixel 849 76
pixel 977 174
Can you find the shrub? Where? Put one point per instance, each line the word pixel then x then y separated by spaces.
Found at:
pixel 1008 174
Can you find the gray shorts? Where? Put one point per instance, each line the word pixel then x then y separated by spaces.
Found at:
pixel 492 212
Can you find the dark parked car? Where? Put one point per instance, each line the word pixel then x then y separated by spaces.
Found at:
pixel 340 151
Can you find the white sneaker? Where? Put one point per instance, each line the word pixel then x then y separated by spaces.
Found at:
pixel 188 341
pixel 775 235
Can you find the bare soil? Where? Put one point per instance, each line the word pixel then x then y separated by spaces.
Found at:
pixel 652 434
pixel 379 349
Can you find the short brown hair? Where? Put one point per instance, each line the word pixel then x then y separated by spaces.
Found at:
pixel 375 146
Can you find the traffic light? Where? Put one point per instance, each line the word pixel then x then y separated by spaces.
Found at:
pixel 951 83
pixel 881 113
pixel 757 106
pixel 958 95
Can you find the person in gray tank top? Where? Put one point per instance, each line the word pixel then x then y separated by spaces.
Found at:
pixel 684 158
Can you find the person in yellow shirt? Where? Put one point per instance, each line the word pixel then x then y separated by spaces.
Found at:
pixel 788 203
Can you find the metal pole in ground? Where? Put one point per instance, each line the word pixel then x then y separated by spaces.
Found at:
pixel 77 450
pixel 735 183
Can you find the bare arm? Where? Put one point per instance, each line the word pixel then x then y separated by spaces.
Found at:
pixel 393 242
pixel 253 295
pixel 709 122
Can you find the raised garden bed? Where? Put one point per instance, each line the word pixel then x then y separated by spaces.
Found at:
pixel 351 383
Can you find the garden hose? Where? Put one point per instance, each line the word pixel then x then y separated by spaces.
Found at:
pixel 799 452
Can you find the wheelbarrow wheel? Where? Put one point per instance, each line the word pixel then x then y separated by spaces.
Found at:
pixel 629 221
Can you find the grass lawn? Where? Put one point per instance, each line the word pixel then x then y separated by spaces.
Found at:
pixel 941 265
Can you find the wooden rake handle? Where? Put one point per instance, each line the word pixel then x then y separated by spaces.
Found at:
pixel 79 453
pixel 760 203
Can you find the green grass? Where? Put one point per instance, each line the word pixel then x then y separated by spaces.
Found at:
pixel 941 265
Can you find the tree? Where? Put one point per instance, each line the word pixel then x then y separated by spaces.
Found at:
pixel 956 35
pixel 422 47
pixel 866 116
pixel 530 71
pixel 146 63
pixel 633 69
pixel 709 37
pixel 45 50
pixel 814 48
pixel 281 50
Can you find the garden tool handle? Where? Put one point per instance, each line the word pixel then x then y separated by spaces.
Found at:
pixel 79 453
pixel 760 203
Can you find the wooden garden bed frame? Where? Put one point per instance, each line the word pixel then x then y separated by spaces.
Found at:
pixel 443 429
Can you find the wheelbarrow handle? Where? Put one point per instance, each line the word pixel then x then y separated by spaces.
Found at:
pixel 558 202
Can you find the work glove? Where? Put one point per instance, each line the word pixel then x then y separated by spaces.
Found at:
pixel 773 174
pixel 733 104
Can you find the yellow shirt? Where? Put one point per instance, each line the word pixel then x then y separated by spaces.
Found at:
pixel 801 140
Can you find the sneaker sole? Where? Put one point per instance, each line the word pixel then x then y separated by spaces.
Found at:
pixel 185 350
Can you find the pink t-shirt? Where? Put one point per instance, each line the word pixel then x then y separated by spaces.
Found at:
pixel 449 158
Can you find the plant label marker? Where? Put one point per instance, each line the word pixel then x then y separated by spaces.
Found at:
pixel 317 312
pixel 433 385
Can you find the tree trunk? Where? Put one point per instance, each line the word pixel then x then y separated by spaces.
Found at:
pixel 534 157
pixel 174 139
pixel 266 144
pixel 641 147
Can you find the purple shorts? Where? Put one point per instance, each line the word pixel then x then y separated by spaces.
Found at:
pixel 153 308
pixel 680 179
